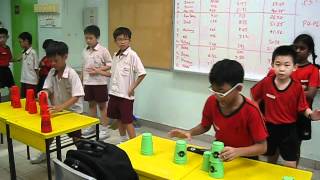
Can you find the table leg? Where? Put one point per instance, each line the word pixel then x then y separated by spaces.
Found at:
pixel 11 155
pixel 28 152
pixel 58 144
pixel 97 132
pixel 48 158
pixel 1 138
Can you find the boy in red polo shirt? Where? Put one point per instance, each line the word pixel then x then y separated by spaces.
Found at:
pixel 283 99
pixel 236 120
pixel 6 78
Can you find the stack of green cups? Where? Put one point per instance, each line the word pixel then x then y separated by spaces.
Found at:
pixel 205 161
pixel 146 144
pixel 180 153
pixel 216 168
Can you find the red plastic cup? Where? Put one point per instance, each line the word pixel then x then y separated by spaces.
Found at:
pixel 46 123
pixel 43 99
pixel 32 109
pixel 14 94
pixel 44 109
pixel 29 98
pixel 16 103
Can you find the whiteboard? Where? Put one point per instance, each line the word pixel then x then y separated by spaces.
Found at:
pixel 206 31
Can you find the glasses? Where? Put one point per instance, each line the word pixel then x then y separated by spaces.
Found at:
pixel 221 95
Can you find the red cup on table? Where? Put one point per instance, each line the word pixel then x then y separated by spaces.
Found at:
pixel 32 107
pixel 46 122
pixel 29 98
pixel 15 97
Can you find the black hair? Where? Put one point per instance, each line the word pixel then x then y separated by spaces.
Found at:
pixel 4 31
pixel 307 40
pixel 92 29
pixel 122 31
pixel 56 48
pixel 46 43
pixel 226 71
pixel 26 36
pixel 285 51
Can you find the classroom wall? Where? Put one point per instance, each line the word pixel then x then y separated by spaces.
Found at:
pixel 71 30
pixel 176 99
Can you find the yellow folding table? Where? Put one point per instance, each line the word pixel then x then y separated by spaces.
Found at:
pixel 160 165
pixel 26 128
pixel 247 169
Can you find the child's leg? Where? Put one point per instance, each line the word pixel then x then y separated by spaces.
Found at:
pixel 130 130
pixel 41 157
pixel 92 108
pixel 103 113
pixel 273 158
pixel 121 128
pixel 292 164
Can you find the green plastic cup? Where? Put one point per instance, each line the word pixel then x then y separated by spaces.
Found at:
pixel 205 161
pixel 146 144
pixel 180 153
pixel 287 178
pixel 216 149
pixel 216 169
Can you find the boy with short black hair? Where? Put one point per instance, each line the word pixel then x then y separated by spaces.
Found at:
pixel 6 77
pixel 283 99
pixel 63 86
pixel 96 58
pixel 44 65
pixel 30 64
pixel 127 73
pixel 236 120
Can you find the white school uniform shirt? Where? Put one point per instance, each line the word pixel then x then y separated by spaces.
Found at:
pixel 125 69
pixel 96 57
pixel 29 64
pixel 63 89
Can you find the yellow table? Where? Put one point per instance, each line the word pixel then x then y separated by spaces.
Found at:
pixel 160 165
pixel 247 169
pixel 26 128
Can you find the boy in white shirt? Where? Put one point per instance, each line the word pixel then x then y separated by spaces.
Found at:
pixel 95 58
pixel 30 64
pixel 63 86
pixel 127 73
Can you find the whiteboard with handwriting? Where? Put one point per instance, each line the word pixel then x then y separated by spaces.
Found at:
pixel 207 31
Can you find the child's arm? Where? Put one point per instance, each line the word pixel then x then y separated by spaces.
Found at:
pixel 135 84
pixel 310 93
pixel 101 71
pixel 199 129
pixel 313 115
pixel 64 105
pixel 230 153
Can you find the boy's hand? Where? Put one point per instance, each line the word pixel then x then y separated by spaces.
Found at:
pixel 229 153
pixel 93 71
pixel 55 109
pixel 38 95
pixel 315 115
pixel 130 92
pixel 180 134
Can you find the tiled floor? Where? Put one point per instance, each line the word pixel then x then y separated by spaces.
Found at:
pixel 26 171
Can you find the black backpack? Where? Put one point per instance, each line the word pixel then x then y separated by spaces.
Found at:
pixel 101 160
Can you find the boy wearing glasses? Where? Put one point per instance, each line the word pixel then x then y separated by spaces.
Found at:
pixel 236 120
pixel 284 99
pixel 127 72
